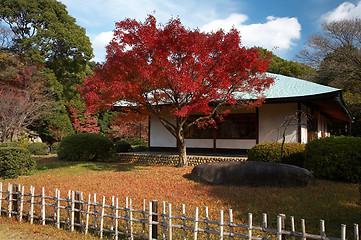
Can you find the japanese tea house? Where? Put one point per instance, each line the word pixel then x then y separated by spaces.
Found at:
pixel 300 109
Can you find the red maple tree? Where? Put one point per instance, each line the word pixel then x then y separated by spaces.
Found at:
pixel 83 122
pixel 170 72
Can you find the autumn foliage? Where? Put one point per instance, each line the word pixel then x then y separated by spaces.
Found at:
pixel 24 96
pixel 170 72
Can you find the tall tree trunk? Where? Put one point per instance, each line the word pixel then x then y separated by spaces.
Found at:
pixel 181 144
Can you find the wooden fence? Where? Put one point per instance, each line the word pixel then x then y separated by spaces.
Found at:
pixel 111 220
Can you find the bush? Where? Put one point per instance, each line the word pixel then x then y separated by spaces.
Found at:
pixel 85 147
pixel 335 158
pixel 9 144
pixel 136 141
pixel 38 148
pixel 293 153
pixel 123 146
pixel 140 148
pixel 54 148
pixel 15 161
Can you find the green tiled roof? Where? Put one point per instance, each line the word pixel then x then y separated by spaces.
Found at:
pixel 289 87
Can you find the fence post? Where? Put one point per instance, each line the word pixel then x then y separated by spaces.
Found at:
pixel 43 206
pixel 250 226
pixel 78 207
pixel 1 197
pixel 21 203
pixel 356 232
pixel 10 200
pixel 283 220
pixel 16 199
pixel 343 232
pixel 155 219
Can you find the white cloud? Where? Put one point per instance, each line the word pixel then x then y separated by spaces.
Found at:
pixel 346 10
pixel 276 32
pixel 99 43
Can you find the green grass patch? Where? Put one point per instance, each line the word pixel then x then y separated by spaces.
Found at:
pixel 335 202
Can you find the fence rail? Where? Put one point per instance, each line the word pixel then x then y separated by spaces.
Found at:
pixel 112 220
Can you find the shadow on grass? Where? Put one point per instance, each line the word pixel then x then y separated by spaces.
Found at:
pixel 44 163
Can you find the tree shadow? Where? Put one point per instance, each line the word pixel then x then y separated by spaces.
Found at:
pixel 50 162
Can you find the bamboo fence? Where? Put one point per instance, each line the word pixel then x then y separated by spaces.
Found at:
pixel 111 220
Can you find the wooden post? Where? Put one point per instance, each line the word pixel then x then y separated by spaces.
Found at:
pixel 102 217
pixel 184 221
pixel 16 200
pixel 170 221
pixel 195 224
pixel 131 219
pixel 72 215
pixel 21 204
pixel 231 231
pixel 31 209
pixel 343 232
pixel 264 225
pixel 150 235
pixel 10 200
pixel 303 225
pixel 155 219
pixel 42 206
pixel 293 229
pixel 1 197
pixel 116 219
pixel 322 228
pixel 283 220
pixel 87 214
pixel 206 220
pixel 78 207
pixel 164 212
pixel 250 226
pixel 58 208
pixel 356 232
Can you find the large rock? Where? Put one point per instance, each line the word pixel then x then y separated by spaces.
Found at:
pixel 252 173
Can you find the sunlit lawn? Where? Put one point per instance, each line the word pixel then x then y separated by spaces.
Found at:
pixel 335 202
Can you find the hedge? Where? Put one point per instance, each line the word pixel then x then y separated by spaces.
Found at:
pixel 293 153
pixel 15 161
pixel 86 147
pixel 335 158
pixel 38 148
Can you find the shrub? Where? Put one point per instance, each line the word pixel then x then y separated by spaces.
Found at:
pixel 9 144
pixel 335 158
pixel 54 148
pixel 123 146
pixel 136 141
pixel 140 148
pixel 38 148
pixel 15 161
pixel 293 153
pixel 85 147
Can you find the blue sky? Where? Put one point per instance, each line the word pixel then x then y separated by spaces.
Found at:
pixel 278 25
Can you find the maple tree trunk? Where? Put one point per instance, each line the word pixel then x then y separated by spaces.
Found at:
pixel 181 144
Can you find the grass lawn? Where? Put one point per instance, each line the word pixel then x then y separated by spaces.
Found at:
pixel 335 202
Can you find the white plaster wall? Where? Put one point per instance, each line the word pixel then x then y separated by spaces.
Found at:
pixel 160 136
pixel 235 143
pixel 271 117
pixel 199 143
pixel 304 132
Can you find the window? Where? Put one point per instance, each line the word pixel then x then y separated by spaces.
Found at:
pixel 240 126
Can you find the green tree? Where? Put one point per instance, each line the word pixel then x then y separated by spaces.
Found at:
pixel 44 32
pixel 287 68
pixel 336 54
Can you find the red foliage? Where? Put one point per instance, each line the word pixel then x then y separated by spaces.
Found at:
pixel 171 72
pixel 24 96
pixel 88 123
